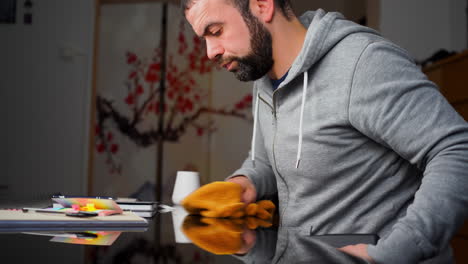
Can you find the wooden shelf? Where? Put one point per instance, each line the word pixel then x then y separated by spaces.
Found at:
pixel 451 75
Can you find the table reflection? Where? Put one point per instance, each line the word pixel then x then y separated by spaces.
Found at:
pixel 174 237
pixel 223 236
pixel 98 238
pixel 253 240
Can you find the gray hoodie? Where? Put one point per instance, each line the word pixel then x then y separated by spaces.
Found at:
pixel 357 140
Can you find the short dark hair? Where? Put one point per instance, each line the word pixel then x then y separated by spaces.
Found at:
pixel 243 6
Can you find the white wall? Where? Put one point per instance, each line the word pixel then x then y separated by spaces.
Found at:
pixel 420 26
pixel 425 26
pixel 45 99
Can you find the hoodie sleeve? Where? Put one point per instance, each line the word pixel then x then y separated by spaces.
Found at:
pixel 393 103
pixel 259 172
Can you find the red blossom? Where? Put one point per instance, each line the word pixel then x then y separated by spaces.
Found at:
pixel 170 94
pixel 155 66
pixel 240 106
pixel 149 108
pixel 181 38
pixel 192 66
pixel 200 131
pixel 97 129
pixel 100 147
pixel 171 80
pixel 152 74
pixel 181 50
pixel 181 106
pixel 187 89
pixel 139 90
pixel 110 136
pixel 192 57
pixel 169 77
pixel 131 57
pixel 196 40
pixel 114 148
pixel 132 75
pixel 248 98
pixel 188 105
pixel 130 99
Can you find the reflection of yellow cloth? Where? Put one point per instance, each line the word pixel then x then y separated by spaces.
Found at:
pixel 219 236
pixel 223 200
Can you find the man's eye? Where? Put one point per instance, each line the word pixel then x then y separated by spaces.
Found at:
pixel 216 33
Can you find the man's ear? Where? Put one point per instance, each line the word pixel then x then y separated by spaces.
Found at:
pixel 263 9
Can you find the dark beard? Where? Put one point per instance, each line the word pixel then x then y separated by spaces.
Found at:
pixel 260 60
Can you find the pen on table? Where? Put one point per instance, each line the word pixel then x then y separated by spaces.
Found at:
pixel 41 210
pixel 67 213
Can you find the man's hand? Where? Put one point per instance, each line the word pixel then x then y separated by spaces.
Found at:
pixel 359 250
pixel 249 193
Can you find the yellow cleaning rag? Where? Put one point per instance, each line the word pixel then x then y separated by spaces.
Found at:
pixel 223 200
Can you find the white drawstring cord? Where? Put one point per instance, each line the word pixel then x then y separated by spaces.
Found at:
pixel 254 128
pixel 304 93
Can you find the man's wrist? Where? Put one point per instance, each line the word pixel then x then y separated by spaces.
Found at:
pixel 249 192
pixel 236 176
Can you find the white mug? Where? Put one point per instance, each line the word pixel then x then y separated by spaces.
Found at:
pixel 186 182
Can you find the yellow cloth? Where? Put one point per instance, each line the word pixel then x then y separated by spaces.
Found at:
pixel 223 200
pixel 262 209
pixel 219 236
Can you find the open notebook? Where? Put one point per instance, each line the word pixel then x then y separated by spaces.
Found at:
pixel 14 221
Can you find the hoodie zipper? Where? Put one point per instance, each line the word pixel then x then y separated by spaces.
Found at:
pixel 271 107
pixel 275 129
pixel 274 124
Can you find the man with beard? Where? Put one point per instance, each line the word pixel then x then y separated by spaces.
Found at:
pixel 348 132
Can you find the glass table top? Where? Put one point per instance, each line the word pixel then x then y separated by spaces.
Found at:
pixel 175 237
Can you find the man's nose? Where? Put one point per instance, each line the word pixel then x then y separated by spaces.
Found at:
pixel 213 50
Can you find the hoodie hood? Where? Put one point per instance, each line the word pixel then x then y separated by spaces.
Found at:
pixel 324 31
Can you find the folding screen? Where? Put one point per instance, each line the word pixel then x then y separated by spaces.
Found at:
pixel 161 108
